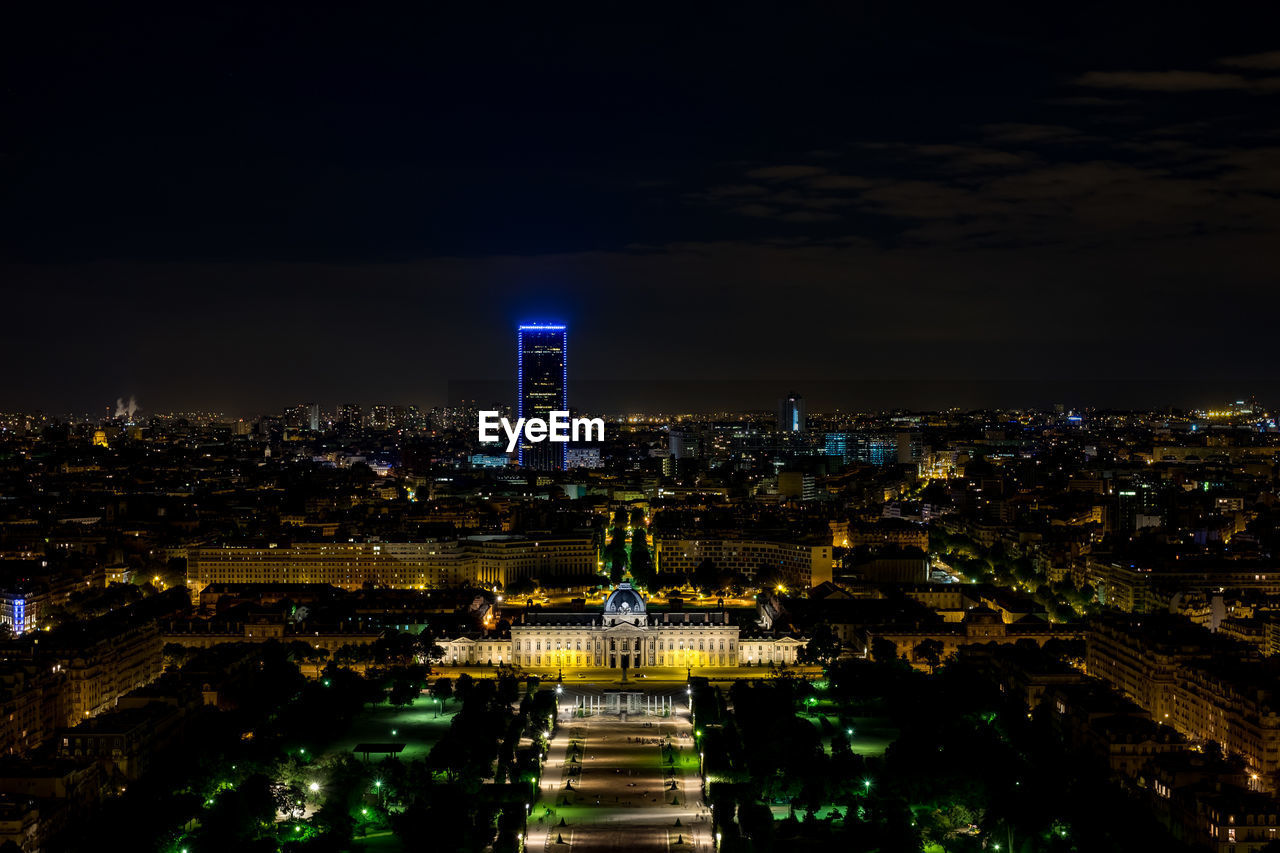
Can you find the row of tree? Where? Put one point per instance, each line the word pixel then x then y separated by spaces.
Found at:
pixel 967 771
pixel 627 550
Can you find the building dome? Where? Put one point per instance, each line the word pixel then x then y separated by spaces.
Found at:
pixel 624 600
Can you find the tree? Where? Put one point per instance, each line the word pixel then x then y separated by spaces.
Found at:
pixel 239 815
pixel 176 655
pixel 884 650
pixel 706 576
pixel 403 692
pixel 768 576
pixel 520 587
pixel 442 689
pixel 929 651
pixel 289 798
pixel 615 553
pixel 507 686
pixel 823 646
pixel 641 558
pixel 462 687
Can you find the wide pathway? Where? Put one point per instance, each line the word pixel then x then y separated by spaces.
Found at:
pixel 612 787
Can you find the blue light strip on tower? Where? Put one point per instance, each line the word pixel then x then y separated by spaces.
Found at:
pixel 520 387
pixel 564 385
pixel 564 391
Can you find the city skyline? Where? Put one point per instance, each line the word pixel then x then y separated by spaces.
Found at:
pixel 914 484
pixel 876 398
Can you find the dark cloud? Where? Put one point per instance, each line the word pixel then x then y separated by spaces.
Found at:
pixel 840 182
pixel 784 173
pixel 762 210
pixel 205 208
pixel 1018 132
pixel 1269 61
pixel 1178 81
pixel 736 191
pixel 809 216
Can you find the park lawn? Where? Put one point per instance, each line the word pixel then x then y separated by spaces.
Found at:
pixel 871 735
pixel 781 812
pixel 416 726
pixel 381 841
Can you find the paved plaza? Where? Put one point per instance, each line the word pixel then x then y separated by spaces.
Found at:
pixel 615 784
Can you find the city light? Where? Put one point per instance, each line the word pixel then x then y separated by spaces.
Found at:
pixel 1055 581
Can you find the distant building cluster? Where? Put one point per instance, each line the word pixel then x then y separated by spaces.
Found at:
pixel 1119 571
pixel 482 560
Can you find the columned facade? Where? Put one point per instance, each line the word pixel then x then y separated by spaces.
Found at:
pixel 623 636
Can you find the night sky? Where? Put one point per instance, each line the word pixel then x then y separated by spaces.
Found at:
pixel 900 204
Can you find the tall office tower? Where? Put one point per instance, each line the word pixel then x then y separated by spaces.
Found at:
pixel 295 417
pixel 542 376
pixel 910 447
pixel 791 413
pixel 874 449
pixel 682 445
pixel 351 415
pixel 303 416
pixel 385 417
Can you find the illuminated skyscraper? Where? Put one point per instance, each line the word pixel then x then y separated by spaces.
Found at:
pixel 542 354
pixel 791 413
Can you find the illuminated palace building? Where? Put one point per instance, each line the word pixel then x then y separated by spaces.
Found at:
pixel 622 636
pixel 542 375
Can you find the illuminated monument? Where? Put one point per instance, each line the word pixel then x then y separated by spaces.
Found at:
pixel 542 355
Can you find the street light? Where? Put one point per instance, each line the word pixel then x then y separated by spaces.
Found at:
pixel 314 786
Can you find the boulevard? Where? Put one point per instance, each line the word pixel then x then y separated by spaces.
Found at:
pixel 612 782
